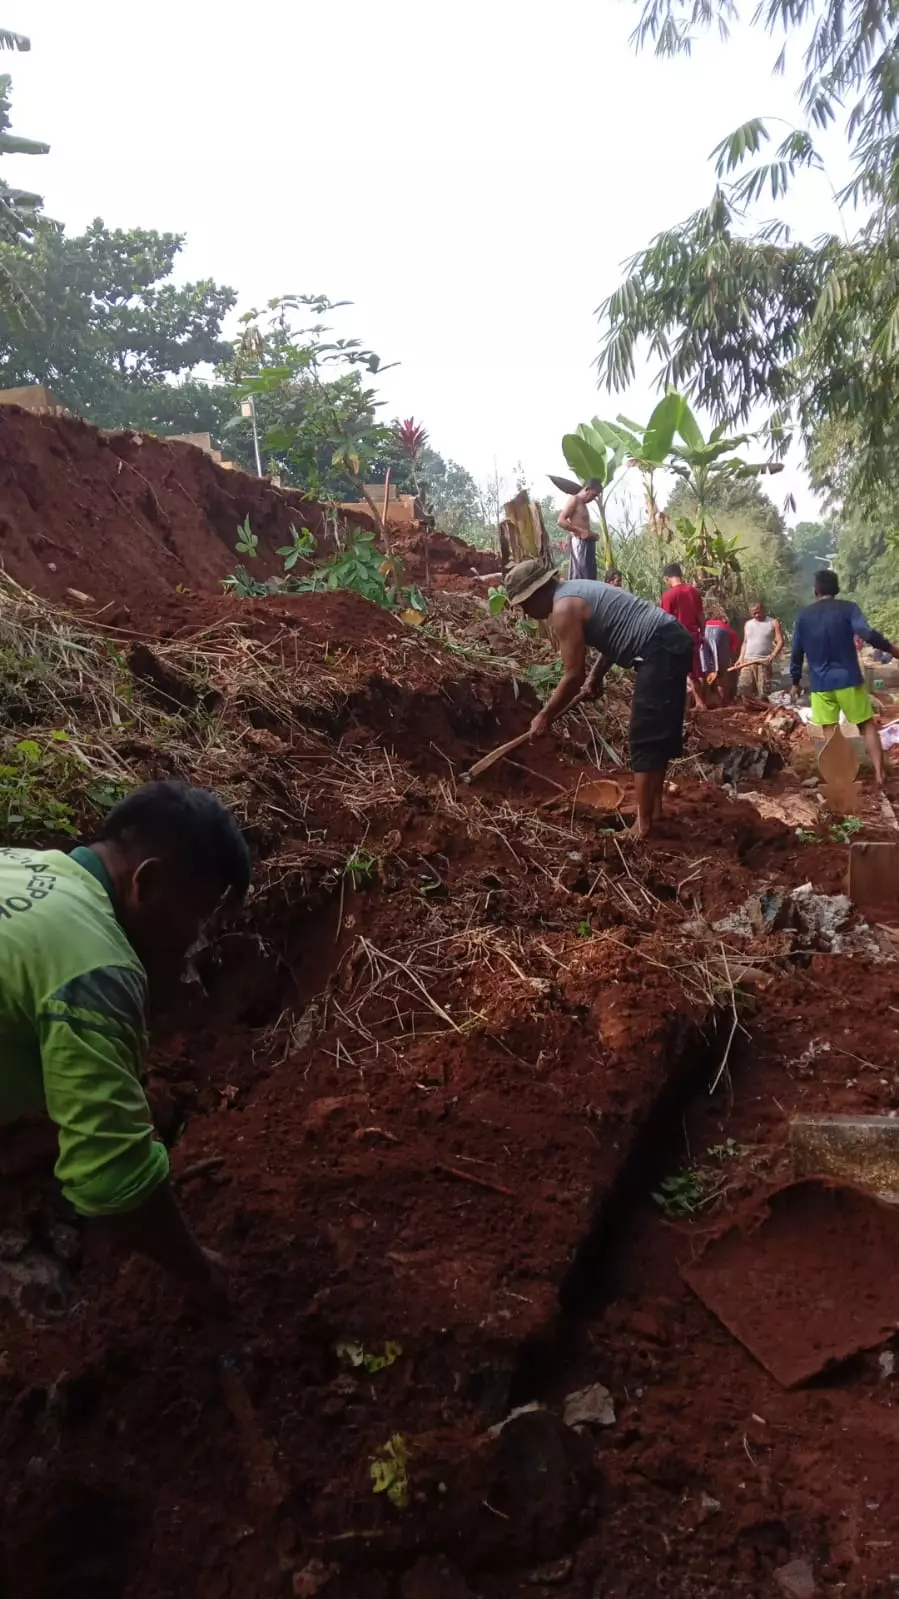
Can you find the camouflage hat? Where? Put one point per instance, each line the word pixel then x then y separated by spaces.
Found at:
pixel 526 578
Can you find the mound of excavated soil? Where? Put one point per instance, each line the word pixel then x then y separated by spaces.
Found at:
pixel 442 560
pixel 417 1082
pixel 127 518
pixel 440 1064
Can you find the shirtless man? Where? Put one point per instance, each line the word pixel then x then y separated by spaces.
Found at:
pixel 575 519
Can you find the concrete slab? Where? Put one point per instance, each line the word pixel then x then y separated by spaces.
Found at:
pixel 873 872
pixel 863 1150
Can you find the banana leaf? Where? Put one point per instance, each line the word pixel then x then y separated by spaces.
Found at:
pixel 589 465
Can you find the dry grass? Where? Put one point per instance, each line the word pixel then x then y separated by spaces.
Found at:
pixel 58 675
pixel 310 795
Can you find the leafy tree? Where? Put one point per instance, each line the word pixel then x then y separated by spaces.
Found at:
pixel 743 318
pixel 320 420
pixel 868 566
pixel 814 546
pixel 457 503
pixel 851 56
pixel 740 504
pixel 108 330
pixel 18 207
pixel 748 520
pixel 814 541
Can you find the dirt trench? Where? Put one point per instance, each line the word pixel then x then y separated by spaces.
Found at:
pixel 442 1064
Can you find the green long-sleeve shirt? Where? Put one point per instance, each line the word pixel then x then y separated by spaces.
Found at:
pixel 73 1034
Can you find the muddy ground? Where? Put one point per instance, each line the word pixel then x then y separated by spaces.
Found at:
pixel 438 1068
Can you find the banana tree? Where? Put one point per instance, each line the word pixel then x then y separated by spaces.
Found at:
pixel 648 448
pixel 673 440
pixel 595 453
pixel 704 464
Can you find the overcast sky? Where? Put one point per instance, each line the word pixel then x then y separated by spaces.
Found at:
pixel 470 176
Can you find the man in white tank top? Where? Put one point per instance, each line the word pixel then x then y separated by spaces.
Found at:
pixel 763 641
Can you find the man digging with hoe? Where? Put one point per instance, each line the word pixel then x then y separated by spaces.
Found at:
pixel 626 631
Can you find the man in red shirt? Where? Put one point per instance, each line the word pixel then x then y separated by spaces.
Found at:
pixel 684 602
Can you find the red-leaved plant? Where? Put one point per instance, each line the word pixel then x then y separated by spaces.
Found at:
pixel 411 437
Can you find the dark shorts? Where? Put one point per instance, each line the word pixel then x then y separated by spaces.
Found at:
pixel 660 698
pixel 582 560
pixel 716 649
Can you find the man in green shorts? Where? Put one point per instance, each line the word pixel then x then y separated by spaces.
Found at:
pixel 82 938
pixel 824 635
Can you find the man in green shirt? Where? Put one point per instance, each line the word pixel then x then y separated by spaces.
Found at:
pixel 81 937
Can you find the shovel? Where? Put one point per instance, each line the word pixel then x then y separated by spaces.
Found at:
pixel 487 761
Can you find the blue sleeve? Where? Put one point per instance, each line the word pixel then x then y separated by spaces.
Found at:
pixel 798 655
pixel 863 629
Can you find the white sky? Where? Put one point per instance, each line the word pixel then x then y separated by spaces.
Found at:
pixel 470 176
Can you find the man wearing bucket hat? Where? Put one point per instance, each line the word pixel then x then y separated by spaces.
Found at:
pixel 626 631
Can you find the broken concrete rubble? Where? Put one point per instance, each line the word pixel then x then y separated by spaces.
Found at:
pixel 733 762
pixel 821 921
pixel 589 1407
pixel 796 1580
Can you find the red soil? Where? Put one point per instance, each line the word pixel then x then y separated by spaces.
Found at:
pixel 797 1311
pixel 126 518
pixel 438 1094
pixel 446 562
pixel 422 1176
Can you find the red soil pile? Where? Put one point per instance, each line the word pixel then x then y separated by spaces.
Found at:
pixel 439 559
pixel 128 518
pixel 441 1063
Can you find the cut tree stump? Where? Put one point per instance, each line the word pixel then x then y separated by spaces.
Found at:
pixel 522 533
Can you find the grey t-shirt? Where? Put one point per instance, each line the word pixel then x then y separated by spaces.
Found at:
pixel 620 624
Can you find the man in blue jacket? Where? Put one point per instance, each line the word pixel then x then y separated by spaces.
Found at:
pixel 824 635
